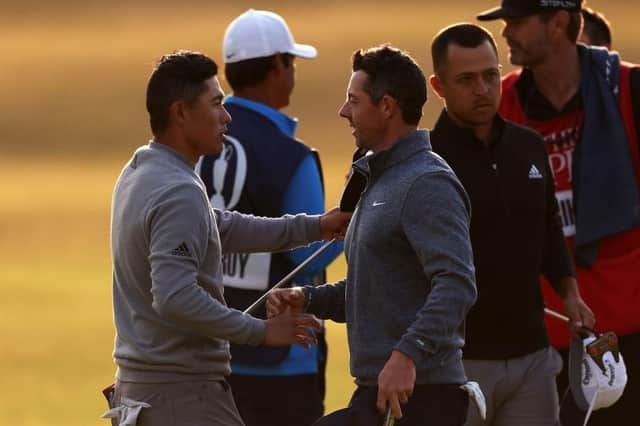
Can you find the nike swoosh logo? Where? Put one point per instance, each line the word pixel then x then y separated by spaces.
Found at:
pixel 378 203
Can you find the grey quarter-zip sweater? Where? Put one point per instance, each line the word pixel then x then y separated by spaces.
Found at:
pixel 172 323
pixel 410 279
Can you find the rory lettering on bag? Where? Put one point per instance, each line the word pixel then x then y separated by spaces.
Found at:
pixel 235 264
pixel 249 271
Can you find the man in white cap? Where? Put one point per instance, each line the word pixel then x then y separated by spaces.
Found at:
pixel 265 171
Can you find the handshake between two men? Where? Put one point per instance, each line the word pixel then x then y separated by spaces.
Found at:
pixel 287 323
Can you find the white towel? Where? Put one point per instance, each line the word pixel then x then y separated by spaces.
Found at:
pixel 476 395
pixel 127 413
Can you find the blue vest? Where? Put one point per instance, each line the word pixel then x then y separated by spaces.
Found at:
pixel 251 176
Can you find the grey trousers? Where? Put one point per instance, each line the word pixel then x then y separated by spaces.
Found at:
pixel 202 403
pixel 519 391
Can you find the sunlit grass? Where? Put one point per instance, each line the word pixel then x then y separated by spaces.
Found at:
pixel 82 93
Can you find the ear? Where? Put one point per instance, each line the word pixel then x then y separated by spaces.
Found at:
pixel 559 24
pixel 278 65
pixel 388 106
pixel 178 113
pixel 275 72
pixel 436 85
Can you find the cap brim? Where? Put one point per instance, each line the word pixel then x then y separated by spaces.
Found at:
pixel 574 367
pixel 500 13
pixel 304 51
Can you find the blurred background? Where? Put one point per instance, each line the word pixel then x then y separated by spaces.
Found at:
pixel 72 84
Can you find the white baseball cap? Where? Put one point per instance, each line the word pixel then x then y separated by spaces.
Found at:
pixel 260 33
pixel 597 372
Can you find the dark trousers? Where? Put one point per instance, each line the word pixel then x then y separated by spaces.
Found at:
pixel 620 413
pixel 278 400
pixel 430 405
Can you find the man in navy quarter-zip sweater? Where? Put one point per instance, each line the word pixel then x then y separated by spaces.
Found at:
pixel 410 279
pixel 515 233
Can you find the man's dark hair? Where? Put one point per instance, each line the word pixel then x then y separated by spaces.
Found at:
pixel 252 72
pixel 393 72
pixel 179 76
pixel 575 23
pixel 597 27
pixel 464 35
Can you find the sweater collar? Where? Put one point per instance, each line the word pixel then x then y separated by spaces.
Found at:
pixel 405 147
pixel 168 152
pixel 454 134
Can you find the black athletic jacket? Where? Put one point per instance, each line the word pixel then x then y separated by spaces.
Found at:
pixel 515 233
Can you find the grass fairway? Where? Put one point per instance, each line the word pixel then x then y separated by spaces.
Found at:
pixel 72 79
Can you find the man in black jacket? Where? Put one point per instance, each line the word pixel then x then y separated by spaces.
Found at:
pixel 515 233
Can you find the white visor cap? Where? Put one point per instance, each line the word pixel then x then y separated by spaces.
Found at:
pixel 260 33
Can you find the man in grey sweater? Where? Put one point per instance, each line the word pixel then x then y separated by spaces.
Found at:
pixel 410 280
pixel 172 324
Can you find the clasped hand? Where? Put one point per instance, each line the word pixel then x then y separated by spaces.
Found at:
pixel 287 324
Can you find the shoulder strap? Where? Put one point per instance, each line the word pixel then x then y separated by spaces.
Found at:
pixel 510 105
pixel 629 104
pixel 634 83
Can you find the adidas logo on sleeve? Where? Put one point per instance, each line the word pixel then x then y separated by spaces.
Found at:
pixel 534 173
pixel 181 250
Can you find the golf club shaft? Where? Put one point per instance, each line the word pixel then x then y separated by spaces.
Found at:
pixel 389 420
pixel 289 276
pixel 566 319
pixel 555 314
